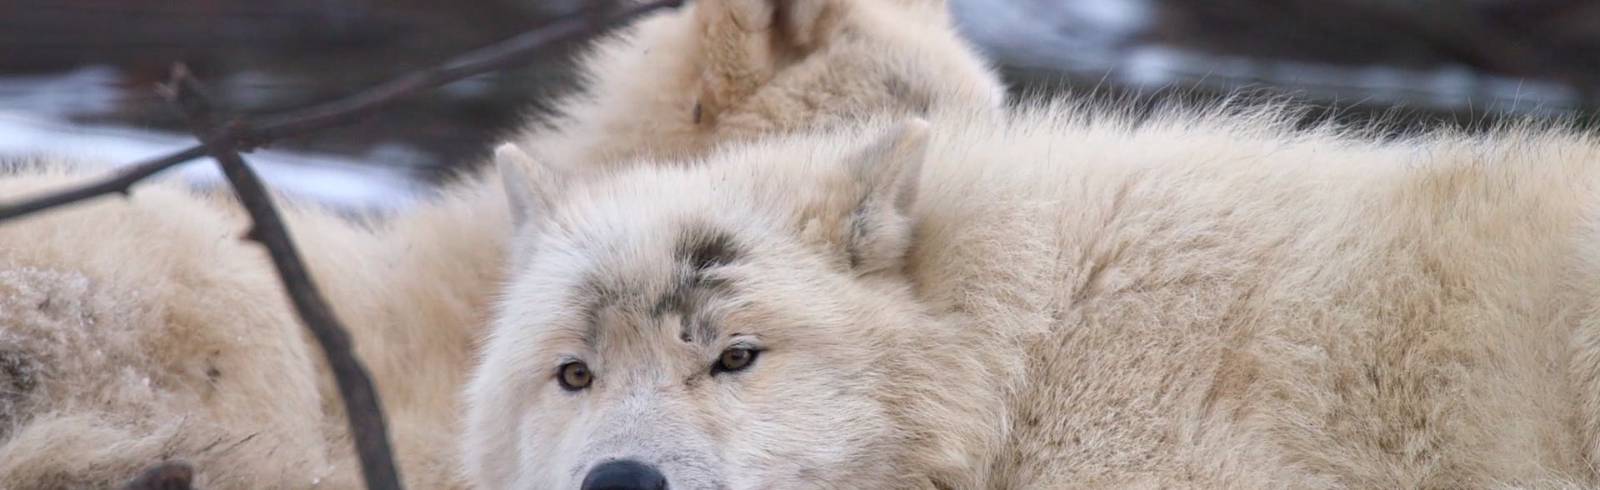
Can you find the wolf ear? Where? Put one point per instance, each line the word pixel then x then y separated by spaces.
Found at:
pixel 529 186
pixel 746 42
pixel 887 173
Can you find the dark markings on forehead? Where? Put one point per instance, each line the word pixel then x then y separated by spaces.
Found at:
pixel 702 248
pixel 697 253
pixel 687 307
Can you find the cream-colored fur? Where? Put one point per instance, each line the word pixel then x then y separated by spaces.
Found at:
pixel 728 70
pixel 144 329
pixel 141 330
pixel 1065 297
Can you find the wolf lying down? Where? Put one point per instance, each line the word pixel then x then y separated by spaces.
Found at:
pixel 706 287
pixel 143 330
pixel 1053 300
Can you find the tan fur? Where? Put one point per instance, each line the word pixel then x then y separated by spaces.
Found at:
pixel 728 70
pixel 91 301
pixel 1201 299
pixel 96 300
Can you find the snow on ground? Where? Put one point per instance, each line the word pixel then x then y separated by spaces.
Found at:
pixel 87 90
pixel 334 180
pixel 35 114
pixel 34 122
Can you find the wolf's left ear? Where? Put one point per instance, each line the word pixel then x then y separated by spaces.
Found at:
pixel 887 173
pixel 530 187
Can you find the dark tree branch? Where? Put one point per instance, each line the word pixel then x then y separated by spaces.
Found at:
pixel 361 403
pixel 511 52
pixel 120 183
pixel 245 134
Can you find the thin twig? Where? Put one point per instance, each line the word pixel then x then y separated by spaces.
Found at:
pixel 245 134
pixel 362 405
pixel 120 183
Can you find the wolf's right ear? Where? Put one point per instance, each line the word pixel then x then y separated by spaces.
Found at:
pixel 529 186
pixel 877 229
pixel 890 167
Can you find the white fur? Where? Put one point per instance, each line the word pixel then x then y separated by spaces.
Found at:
pixel 1198 299
pixel 745 76
pixel 114 314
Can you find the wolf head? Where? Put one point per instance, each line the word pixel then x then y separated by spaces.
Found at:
pixel 740 324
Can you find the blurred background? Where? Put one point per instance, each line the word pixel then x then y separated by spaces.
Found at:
pixel 77 77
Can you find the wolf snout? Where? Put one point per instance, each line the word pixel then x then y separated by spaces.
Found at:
pixel 624 475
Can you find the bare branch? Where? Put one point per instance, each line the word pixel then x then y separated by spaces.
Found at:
pixel 361 403
pixel 245 135
pixel 511 52
pixel 115 184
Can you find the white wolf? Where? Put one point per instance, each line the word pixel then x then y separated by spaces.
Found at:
pixel 1064 297
pixel 138 331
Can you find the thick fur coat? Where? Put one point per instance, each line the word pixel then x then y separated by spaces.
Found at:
pixel 143 330
pixel 1063 297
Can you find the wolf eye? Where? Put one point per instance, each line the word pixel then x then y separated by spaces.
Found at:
pixel 574 376
pixel 734 359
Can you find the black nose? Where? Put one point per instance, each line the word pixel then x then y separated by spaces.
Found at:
pixel 624 475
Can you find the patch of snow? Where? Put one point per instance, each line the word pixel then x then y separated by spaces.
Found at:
pixel 1152 67
pixel 328 179
pixel 398 156
pixel 470 87
pixel 87 90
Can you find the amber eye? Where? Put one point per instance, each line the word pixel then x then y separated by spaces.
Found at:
pixel 735 359
pixel 574 376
